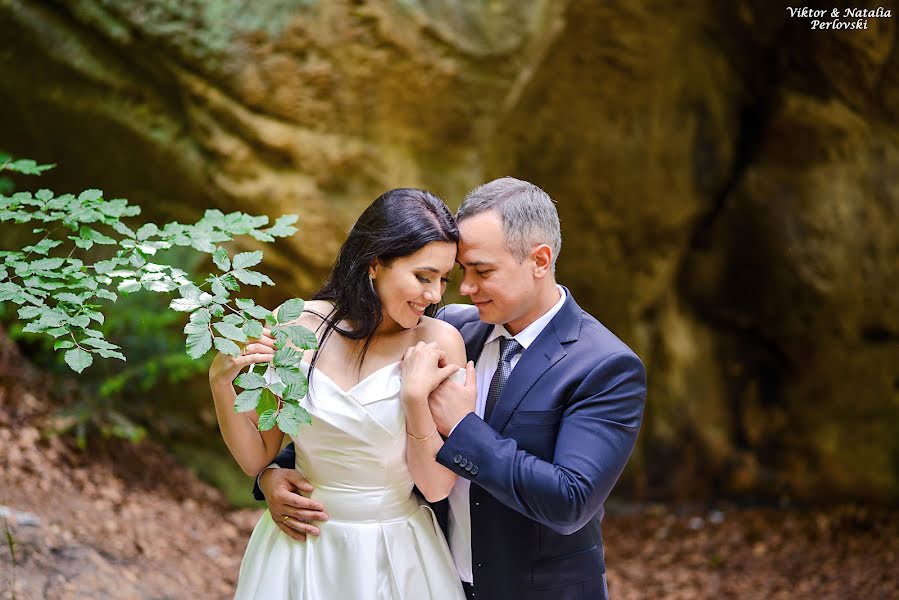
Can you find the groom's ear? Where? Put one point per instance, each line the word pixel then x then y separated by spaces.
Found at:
pixel 542 255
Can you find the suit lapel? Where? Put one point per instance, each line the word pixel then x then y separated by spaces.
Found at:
pixel 475 335
pixel 547 350
pixel 540 356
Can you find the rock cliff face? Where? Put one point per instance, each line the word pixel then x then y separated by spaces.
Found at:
pixel 727 178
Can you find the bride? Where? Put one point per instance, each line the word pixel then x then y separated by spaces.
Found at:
pixel 372 436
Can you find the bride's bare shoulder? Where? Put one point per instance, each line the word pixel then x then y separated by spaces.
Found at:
pixel 445 335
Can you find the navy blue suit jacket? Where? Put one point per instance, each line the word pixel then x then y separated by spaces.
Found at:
pixel 544 464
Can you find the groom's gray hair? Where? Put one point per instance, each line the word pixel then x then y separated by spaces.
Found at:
pixel 528 214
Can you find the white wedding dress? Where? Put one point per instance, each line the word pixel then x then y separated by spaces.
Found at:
pixel 381 542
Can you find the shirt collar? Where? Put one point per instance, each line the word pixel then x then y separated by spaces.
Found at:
pixel 527 335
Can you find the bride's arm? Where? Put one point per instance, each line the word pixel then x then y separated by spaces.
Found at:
pixel 252 449
pixel 421 374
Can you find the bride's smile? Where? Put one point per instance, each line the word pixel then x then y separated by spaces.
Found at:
pixel 408 285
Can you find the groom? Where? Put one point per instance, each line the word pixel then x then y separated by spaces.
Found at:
pixel 557 414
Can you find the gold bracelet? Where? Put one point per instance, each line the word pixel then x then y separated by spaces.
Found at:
pixel 422 439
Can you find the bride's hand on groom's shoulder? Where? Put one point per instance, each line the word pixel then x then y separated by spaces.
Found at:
pixel 424 367
pixel 224 368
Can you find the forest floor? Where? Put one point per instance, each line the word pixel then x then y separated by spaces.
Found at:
pixel 127 521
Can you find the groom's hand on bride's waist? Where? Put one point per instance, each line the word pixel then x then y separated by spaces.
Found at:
pixel 295 514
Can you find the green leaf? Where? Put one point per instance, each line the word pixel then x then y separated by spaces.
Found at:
pixel 136 260
pixel 103 293
pixel 250 381
pixel 27 167
pixel 160 286
pixel 253 329
pixel 146 231
pixel 123 273
pixel 221 260
pixel 90 234
pixel 291 376
pixel 43 246
pixel 78 360
pixel 300 336
pixel 30 312
pixel 46 264
pixel 257 312
pixel 247 259
pixel 111 354
pixel 287 357
pixel 234 320
pixel 83 244
pixel 89 195
pixel 123 229
pixel 247 400
pixel 80 321
pixel 218 289
pixel 296 391
pixel 184 305
pixel 198 342
pixel 226 346
pixel 291 417
pixel 54 317
pixel 252 277
pixel 63 344
pixel 290 310
pixel 230 282
pixel 190 291
pixel 99 343
pixel 129 286
pixel 195 328
pixel 69 297
pixel 231 331
pixel 283 226
pixel 267 402
pixel 201 316
pixel 267 420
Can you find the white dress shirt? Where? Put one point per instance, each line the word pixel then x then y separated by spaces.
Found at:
pixel 459 514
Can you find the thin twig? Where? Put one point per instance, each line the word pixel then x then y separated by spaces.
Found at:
pixel 11 542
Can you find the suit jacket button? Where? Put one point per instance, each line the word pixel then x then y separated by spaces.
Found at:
pixel 474 470
pixel 457 458
pixel 468 467
pixel 463 462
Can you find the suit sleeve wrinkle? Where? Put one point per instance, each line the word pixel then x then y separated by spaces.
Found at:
pixel 595 438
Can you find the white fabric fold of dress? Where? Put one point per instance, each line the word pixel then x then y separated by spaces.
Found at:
pixel 381 542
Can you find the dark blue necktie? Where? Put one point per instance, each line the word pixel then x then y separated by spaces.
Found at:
pixel 507 349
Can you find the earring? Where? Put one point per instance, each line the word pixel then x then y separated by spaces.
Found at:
pixel 371 283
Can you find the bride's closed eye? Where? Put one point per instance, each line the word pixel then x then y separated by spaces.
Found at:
pixel 424 279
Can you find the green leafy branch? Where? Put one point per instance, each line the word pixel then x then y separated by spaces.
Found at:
pixel 62 295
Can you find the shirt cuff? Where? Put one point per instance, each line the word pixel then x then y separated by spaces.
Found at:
pixel 457 424
pixel 271 466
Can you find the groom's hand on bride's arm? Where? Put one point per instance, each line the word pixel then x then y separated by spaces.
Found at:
pixel 450 402
pixel 293 513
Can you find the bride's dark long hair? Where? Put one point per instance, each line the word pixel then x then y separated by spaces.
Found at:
pixel 399 223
